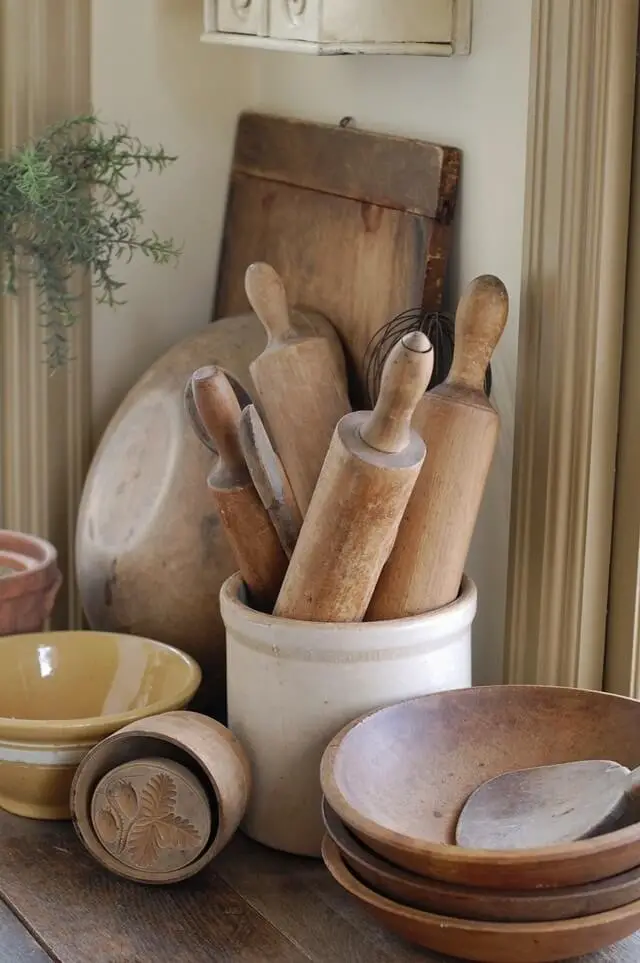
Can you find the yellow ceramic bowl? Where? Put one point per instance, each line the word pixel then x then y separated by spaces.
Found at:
pixel 62 692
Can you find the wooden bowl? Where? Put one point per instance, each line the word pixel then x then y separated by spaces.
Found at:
pixel 398 778
pixel 202 759
pixel 487 942
pixel 527 906
pixel 151 553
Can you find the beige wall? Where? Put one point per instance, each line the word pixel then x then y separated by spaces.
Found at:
pixel 186 94
pixel 151 72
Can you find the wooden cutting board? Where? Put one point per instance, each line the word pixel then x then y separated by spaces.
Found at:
pixel 357 224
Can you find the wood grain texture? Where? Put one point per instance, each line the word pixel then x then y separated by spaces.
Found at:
pixel 395 172
pixel 302 901
pixel 486 942
pixel 17 945
pixel 209 751
pixel 407 369
pixel 151 550
pixel 473 902
pixel 270 479
pixel 252 538
pixel 357 224
pixel 151 814
pixel 460 428
pixel 80 912
pixel 251 906
pixel 545 805
pixel 472 735
pixel 300 380
pixel 360 496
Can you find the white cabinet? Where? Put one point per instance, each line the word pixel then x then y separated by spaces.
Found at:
pixel 295 19
pixel 427 27
pixel 242 16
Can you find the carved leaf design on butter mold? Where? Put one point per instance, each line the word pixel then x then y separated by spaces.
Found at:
pixel 153 825
pixel 107 827
pixel 127 799
pixel 158 798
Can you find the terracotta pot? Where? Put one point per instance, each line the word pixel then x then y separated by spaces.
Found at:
pixel 29 582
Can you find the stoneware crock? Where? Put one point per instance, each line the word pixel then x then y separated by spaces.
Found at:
pixel 292 684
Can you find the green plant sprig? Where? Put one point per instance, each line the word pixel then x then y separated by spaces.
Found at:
pixel 66 204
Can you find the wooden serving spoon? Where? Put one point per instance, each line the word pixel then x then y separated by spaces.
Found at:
pixel 546 805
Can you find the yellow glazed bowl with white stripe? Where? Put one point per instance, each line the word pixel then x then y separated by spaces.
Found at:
pixel 63 692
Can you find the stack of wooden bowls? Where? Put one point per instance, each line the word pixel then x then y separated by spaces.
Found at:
pixel 395 781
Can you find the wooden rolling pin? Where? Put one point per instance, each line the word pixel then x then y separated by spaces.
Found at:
pixel 460 428
pixel 252 537
pixel 270 479
pixel 300 380
pixel 371 467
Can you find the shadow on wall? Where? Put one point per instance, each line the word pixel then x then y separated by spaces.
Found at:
pixel 170 89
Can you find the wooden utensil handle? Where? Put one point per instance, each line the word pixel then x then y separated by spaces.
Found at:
pixel 269 478
pixel 480 320
pixel 219 412
pixel 405 377
pixel 200 431
pixel 267 296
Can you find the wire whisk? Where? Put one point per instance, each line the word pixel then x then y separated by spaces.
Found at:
pixel 438 326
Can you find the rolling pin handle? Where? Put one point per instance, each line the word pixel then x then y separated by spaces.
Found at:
pixel 480 320
pixel 267 296
pixel 219 412
pixel 406 375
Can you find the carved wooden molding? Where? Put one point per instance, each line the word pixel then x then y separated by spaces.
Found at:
pixel 576 226
pixel 45 421
pixel 622 665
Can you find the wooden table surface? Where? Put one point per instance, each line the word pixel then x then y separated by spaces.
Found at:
pixel 250 906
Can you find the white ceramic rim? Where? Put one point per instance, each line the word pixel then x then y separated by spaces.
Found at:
pixel 44 755
pixel 14 585
pixel 48 550
pixel 439 625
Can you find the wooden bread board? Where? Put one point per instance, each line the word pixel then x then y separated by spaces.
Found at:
pixel 357 224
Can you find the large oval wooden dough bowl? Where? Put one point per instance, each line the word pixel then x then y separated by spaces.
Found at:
pixel 151 553
pixel 488 942
pixel 399 777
